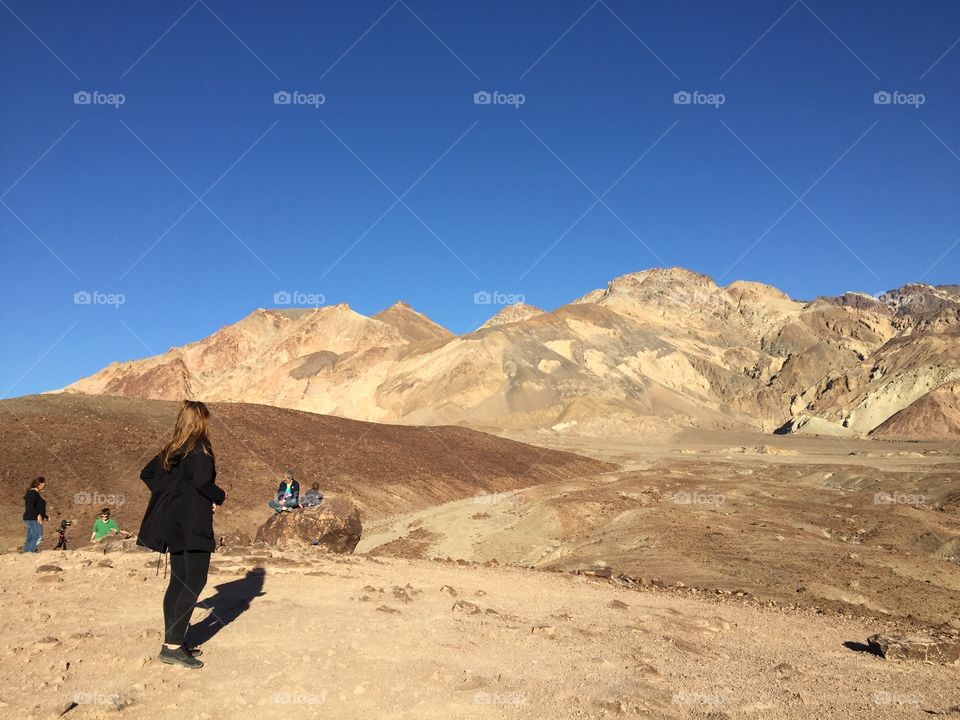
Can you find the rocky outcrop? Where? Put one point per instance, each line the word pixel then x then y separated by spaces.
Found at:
pixel 919 648
pixel 335 526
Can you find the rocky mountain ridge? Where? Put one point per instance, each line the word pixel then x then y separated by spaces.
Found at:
pixel 655 350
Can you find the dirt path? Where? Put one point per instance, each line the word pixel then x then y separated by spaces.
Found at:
pixel 359 637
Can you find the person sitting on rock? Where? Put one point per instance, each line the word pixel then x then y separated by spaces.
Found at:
pixel 104 525
pixel 288 494
pixel 313 497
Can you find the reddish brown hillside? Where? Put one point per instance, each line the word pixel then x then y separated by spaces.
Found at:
pixel 89 447
pixel 933 416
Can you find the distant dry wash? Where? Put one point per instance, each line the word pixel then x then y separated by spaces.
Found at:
pixel 655 350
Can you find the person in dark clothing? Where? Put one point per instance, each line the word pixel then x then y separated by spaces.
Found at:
pixel 34 513
pixel 312 497
pixel 179 520
pixel 288 494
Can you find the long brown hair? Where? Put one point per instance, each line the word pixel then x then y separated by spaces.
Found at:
pixel 189 432
pixel 36 483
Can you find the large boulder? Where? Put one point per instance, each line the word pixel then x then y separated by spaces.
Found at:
pixel 334 525
pixel 915 647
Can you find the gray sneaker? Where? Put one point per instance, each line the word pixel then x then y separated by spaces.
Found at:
pixel 179 657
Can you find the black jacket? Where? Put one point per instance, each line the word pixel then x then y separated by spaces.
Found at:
pixel 34 505
pixel 179 515
pixel 294 491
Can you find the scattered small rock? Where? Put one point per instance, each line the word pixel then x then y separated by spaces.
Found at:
pixel 599 571
pixel 544 630
pixel 785 671
pixel 465 607
pixel 46 643
pixel 613 706
pixel 402 595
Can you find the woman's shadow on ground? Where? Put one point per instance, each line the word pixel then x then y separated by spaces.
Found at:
pixel 230 601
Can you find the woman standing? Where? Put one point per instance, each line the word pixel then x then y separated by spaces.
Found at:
pixel 179 520
pixel 34 513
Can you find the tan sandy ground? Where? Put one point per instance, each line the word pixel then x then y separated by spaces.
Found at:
pixel 322 640
pixel 788 519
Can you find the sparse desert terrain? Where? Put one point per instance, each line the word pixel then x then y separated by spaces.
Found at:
pixel 721 575
pixel 666 499
pixel 858 527
pixel 298 634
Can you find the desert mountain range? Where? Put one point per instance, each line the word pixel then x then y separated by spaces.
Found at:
pixel 654 351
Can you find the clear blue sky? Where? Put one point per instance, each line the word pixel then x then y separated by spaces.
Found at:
pixel 99 197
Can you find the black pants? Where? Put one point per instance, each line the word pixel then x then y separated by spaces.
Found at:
pixel 188 575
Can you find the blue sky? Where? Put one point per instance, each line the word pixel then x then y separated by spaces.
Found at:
pixel 199 197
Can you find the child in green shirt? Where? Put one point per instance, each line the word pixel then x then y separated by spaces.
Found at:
pixel 105 525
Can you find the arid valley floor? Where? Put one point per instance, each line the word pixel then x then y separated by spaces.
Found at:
pixel 745 574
